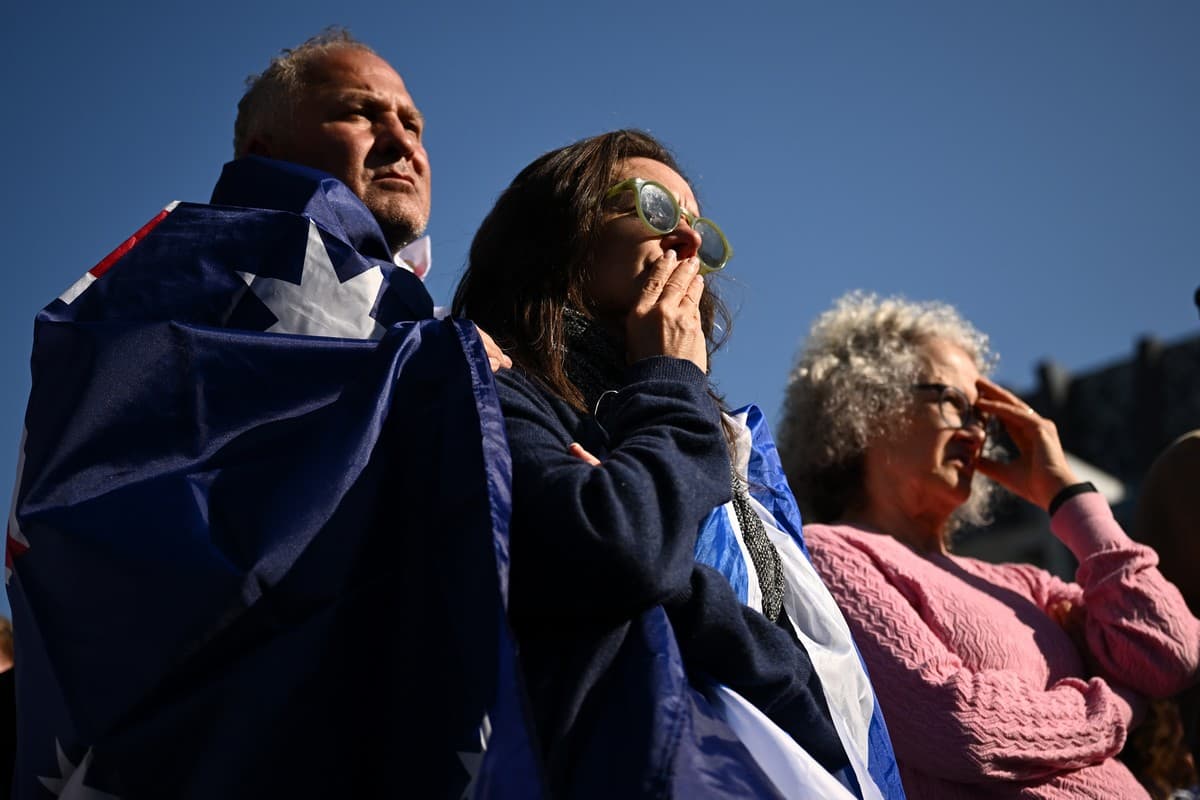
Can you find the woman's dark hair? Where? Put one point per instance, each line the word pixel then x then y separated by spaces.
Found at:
pixel 531 257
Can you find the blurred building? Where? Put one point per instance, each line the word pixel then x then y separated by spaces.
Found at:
pixel 1113 422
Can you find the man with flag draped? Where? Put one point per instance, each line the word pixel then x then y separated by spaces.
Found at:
pixel 258 546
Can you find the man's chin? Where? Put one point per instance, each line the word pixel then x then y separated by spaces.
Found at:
pixel 400 228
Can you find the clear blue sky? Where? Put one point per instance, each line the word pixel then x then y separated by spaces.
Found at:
pixel 1034 163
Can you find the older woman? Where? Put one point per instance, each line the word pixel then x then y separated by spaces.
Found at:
pixel 996 680
pixel 589 272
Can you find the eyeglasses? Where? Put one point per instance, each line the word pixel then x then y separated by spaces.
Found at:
pixel 660 212
pixel 956 410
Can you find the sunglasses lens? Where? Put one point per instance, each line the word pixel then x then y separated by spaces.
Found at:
pixel 713 252
pixel 659 208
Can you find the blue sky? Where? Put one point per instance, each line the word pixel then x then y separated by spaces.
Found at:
pixel 1033 163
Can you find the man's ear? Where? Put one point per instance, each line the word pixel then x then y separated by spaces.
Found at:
pixel 261 146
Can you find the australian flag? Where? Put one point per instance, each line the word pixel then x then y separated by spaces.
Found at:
pixel 259 541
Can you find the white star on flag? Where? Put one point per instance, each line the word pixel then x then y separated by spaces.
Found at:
pixel 69 785
pixel 471 761
pixel 321 305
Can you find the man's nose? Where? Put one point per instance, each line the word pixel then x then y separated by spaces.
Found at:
pixel 395 138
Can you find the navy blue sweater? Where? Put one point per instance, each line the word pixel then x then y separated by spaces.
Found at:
pixel 593 547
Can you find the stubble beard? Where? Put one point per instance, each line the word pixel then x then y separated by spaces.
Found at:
pixel 401 223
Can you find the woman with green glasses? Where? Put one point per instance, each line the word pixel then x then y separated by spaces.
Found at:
pixel 593 271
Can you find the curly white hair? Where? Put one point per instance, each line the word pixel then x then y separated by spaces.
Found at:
pixel 852 385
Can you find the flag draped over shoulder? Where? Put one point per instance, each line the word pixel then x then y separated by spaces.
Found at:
pixel 251 564
pixel 818 622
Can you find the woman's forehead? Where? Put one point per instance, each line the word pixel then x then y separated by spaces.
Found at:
pixel 946 362
pixel 650 169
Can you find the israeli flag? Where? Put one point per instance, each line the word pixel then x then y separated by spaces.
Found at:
pixel 817 621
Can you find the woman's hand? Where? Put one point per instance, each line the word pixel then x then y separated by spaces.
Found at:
pixel 1040 471
pixel 666 319
pixel 580 452
pixel 496 357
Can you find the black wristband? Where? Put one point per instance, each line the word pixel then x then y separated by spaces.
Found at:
pixel 1067 492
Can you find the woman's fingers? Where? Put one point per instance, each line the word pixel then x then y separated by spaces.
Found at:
pixel 997 400
pixel 670 282
pixel 496 357
pixel 1013 416
pixel 695 291
pixel 995 391
pixel 578 450
pixel 665 282
pixel 666 318
pixel 1022 422
pixel 1001 472
pixel 680 281
pixel 1040 468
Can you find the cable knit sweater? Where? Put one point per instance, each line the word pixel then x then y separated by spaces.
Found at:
pixel 985 694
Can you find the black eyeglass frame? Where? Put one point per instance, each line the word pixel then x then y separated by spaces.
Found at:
pixel 968 415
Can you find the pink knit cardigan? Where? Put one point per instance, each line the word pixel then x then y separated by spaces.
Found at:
pixel 984 693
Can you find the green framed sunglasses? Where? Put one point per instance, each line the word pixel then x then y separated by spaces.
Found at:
pixel 660 212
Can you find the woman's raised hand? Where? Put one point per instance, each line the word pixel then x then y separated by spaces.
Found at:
pixel 666 319
pixel 1040 470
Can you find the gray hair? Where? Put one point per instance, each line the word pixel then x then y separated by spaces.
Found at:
pixel 852 385
pixel 271 95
